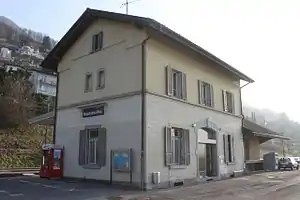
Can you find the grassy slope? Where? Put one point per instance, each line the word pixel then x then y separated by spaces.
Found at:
pixel 21 146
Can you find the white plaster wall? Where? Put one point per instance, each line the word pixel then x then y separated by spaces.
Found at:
pixel 123 124
pixel 162 111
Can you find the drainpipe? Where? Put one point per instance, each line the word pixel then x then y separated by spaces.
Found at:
pixel 241 100
pixel 143 115
pixel 55 108
pixel 243 117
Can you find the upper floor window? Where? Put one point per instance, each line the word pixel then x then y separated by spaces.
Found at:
pixel 101 79
pixel 97 42
pixel 88 82
pixel 176 83
pixel 206 94
pixel 228 101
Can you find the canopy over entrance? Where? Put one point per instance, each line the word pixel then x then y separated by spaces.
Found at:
pixel 44 119
pixel 264 134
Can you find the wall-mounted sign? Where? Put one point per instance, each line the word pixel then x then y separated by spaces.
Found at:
pixel 121 160
pixel 93 111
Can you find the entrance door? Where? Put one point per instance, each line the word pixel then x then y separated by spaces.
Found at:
pixel 211 160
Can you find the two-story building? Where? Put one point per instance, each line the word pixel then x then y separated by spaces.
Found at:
pixel 137 101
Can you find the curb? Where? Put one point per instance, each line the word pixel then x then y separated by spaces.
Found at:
pixel 15 174
pixel 10 174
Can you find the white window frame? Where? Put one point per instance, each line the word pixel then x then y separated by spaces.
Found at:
pixel 97 42
pixel 100 82
pixel 206 94
pixel 228 144
pixel 91 140
pixel 176 83
pixel 178 157
pixel 88 86
pixel 228 106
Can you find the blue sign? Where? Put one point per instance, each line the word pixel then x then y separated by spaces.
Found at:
pixel 121 161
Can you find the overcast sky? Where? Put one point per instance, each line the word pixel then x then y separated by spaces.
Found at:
pixel 259 37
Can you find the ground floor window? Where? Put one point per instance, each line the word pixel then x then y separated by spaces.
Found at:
pixel 177 143
pixel 92 146
pixel 228 144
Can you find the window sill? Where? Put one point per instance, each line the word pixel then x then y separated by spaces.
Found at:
pixel 178 166
pixel 230 163
pixel 208 106
pixel 177 98
pixel 100 88
pixel 91 166
pixel 86 91
pixel 232 113
pixel 95 51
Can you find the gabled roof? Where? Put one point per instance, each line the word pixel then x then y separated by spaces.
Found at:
pixel 90 15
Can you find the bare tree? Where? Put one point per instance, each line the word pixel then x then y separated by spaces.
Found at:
pixel 17 103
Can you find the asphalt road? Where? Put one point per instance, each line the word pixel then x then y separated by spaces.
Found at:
pixel 34 188
pixel 265 186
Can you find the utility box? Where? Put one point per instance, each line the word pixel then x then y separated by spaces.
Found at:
pixel 156 178
pixel 270 161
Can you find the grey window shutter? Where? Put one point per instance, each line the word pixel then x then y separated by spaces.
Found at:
pixel 232 102
pixel 94 43
pixel 200 92
pixel 184 86
pixel 224 97
pixel 100 40
pixel 224 148
pixel 168 146
pixel 187 147
pixel 212 96
pixel 82 147
pixel 101 147
pixel 232 148
pixel 169 85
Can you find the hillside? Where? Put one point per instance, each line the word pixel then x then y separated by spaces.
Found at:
pixel 22 50
pixel 12 34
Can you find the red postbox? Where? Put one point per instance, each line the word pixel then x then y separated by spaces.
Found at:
pixel 52 164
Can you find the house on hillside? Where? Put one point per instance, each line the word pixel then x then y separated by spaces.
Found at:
pixel 135 98
pixel 43 80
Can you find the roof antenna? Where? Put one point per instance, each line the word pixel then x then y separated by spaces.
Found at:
pixel 127 3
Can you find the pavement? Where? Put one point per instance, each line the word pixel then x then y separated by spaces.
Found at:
pixel 265 186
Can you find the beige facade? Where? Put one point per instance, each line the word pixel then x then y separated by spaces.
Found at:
pixel 120 58
pixel 160 54
pixel 252 148
pixel 133 119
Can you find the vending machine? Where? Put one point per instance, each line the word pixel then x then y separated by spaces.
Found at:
pixel 52 163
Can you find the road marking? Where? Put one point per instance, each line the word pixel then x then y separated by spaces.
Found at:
pixel 30 175
pixel 3 191
pixel 16 195
pixel 49 186
pixel 22 181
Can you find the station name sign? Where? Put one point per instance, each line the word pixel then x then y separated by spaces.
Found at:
pixel 93 111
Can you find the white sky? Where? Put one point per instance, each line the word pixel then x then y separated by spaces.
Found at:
pixel 259 37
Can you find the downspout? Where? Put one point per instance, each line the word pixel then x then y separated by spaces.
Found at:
pixel 143 115
pixel 241 100
pixel 243 117
pixel 55 108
